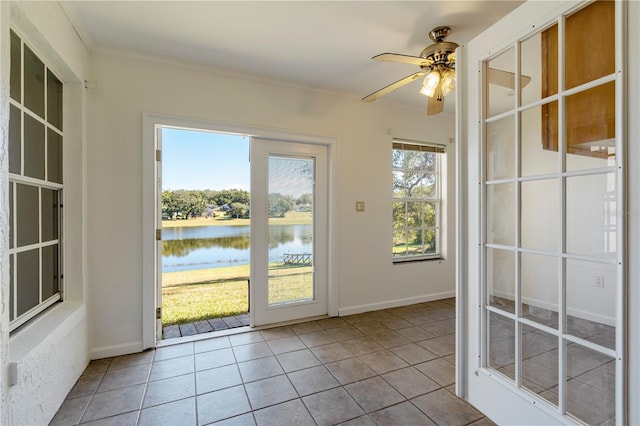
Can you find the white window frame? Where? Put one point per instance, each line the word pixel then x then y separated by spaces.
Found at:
pixel 440 152
pixel 16 179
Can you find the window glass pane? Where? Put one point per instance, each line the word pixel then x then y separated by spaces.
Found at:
pixel 54 100
pixel 429 186
pixel 539 288
pixel 49 214
pixel 590 54
pixel 399 242
pixel 540 363
pixel 540 212
pixel 591 301
pixel 501 149
pixel 28 208
pixel 11 287
pixel 397 161
pixel 501 82
pixel 33 147
pixel 398 184
pixel 591 385
pixel 501 344
pixel 54 156
pixel 50 274
pixel 591 215
pixel 501 214
pixel 15 139
pixel 591 128
pixel 429 211
pixel 33 82
pixel 539 66
pixel 11 206
pixel 28 280
pixel 15 73
pixel 501 278
pixel 539 140
pixel 431 241
pixel 414 214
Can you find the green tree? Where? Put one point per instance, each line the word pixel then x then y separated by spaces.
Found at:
pixel 305 199
pixel 279 204
pixel 238 210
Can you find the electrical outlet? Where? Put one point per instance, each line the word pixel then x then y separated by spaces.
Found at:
pixel 599 281
pixel 359 206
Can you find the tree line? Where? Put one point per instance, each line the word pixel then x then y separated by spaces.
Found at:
pixel 188 203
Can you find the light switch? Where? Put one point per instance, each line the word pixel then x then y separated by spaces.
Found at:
pixel 359 206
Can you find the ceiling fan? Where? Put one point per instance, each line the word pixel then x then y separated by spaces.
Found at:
pixel 438 63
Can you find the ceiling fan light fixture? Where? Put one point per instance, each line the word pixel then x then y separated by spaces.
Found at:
pixel 430 83
pixel 448 82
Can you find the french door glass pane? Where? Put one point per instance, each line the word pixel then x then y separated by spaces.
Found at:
pixel 538 143
pixel 501 344
pixel 501 82
pixel 501 149
pixel 538 81
pixel 290 270
pixel 539 288
pixel 591 215
pixel 540 362
pixel 501 214
pixel 591 128
pixel 590 385
pixel 501 272
pixel 590 54
pixel 591 301
pixel 540 209
pixel 11 286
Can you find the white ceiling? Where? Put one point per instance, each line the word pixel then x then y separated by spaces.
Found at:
pixel 325 45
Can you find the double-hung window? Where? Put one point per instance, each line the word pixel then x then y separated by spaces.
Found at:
pixel 35 184
pixel 417 200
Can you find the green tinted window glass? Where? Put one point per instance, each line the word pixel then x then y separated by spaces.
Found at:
pixel 33 147
pixel 15 146
pixel 28 280
pixel 15 80
pixel 33 82
pixel 54 100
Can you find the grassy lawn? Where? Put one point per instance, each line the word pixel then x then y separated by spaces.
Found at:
pixel 196 295
pixel 291 218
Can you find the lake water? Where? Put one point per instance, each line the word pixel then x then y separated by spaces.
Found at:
pixel 202 247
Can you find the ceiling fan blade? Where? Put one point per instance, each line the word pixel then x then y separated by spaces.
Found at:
pixel 506 78
pixel 405 59
pixel 435 106
pixel 393 86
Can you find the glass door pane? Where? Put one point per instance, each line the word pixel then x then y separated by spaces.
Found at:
pixel 291 195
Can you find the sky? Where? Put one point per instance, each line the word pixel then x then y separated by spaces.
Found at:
pixel 204 160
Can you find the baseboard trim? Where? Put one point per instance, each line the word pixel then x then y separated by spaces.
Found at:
pixel 396 303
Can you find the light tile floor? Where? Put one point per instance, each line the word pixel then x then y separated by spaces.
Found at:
pixel 388 367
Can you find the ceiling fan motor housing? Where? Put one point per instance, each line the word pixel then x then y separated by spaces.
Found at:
pixel 441 54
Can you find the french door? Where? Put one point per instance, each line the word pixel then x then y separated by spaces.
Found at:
pixel 289 228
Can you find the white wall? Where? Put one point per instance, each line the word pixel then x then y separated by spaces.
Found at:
pixel 52 351
pixel 130 86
